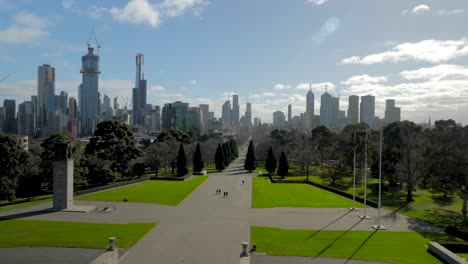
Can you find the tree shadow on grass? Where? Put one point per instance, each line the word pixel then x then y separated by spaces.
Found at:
pixel 360 246
pixel 441 201
pixel 26 214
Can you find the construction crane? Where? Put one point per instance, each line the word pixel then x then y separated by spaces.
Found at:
pixel 4 78
pixel 92 37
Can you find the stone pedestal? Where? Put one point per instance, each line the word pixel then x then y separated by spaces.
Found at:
pixel 245 248
pixel 63 176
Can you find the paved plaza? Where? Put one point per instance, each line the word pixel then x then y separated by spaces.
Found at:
pixel 207 228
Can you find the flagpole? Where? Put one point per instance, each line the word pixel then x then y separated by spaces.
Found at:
pixel 365 216
pixel 354 175
pixel 379 226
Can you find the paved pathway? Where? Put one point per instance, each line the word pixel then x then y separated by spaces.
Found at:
pixel 46 255
pixel 207 228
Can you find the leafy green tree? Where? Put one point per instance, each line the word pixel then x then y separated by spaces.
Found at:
pixel 14 163
pixel 113 142
pixel 138 169
pixel 283 166
pixel 46 168
pixel 270 164
pixel 322 138
pixel 181 162
pixel 197 160
pixel 219 158
pixel 333 171
pixel 249 163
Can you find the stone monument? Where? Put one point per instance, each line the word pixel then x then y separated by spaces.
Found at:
pixel 63 176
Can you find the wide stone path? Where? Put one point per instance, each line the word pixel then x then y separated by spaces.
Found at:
pixel 207 228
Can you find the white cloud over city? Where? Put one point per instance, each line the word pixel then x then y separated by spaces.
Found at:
pixel 27 28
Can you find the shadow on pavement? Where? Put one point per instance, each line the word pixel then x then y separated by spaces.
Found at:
pixel 331 223
pixel 26 214
pixel 360 246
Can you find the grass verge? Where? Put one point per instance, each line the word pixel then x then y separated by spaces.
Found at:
pixel 159 192
pixel 36 233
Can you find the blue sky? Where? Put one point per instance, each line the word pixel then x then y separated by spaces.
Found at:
pixel 267 51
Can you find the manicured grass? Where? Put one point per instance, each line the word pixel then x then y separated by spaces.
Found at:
pixel 266 194
pixel 385 246
pixel 35 233
pixel 24 202
pixel 160 192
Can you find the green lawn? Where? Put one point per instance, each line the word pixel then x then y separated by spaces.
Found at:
pixel 265 194
pixel 385 246
pixel 160 192
pixel 35 233
pixel 24 202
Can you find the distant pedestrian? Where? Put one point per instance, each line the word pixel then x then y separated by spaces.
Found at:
pixel 217 191
pixel 242 181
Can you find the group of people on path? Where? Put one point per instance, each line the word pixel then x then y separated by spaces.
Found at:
pixel 225 194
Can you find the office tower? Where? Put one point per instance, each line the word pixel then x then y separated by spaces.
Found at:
pixel 61 102
pixel 278 119
pixel 353 109
pixel 9 107
pixel 204 111
pixel 34 102
pixel 139 92
pixel 367 112
pixel 289 112
pixel 336 110
pixel 392 113
pixel 193 120
pixel 235 111
pixel 326 110
pixel 248 114
pixel 45 95
pixel 310 102
pixel 226 113
pixel 88 98
pixel 2 119
pixel 26 119
pixel 174 116
pixel 154 120
pixel 72 108
pixel 116 104
pixel 106 106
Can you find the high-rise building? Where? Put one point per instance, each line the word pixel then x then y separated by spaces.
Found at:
pixel 10 125
pixel 278 119
pixel 2 119
pixel 204 111
pixel 326 110
pixel 61 102
pixel 310 102
pixel 26 119
pixel 106 106
pixel 193 120
pixel 336 110
pixel 367 112
pixel 174 116
pixel 88 94
pixel 116 104
pixel 248 114
pixel 45 95
pixel 289 112
pixel 235 111
pixel 226 113
pixel 353 109
pixel 154 120
pixel 72 108
pixel 139 93
pixel 392 113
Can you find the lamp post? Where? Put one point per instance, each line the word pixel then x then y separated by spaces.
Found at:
pixel 365 216
pixel 354 175
pixel 379 226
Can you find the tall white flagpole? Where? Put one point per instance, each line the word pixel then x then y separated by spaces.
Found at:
pixel 365 216
pixel 354 175
pixel 379 226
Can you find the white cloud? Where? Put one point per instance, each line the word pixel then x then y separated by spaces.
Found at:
pixel 137 12
pixel 173 8
pixel 261 95
pixel 280 86
pixel 317 2
pixel 327 29
pixel 420 9
pixel 68 3
pixel 434 51
pixel 445 12
pixel 193 82
pixel 316 86
pixel 157 88
pixel 362 79
pixel 28 27
pixel 437 73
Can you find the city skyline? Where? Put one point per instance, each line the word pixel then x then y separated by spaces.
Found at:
pixel 409 56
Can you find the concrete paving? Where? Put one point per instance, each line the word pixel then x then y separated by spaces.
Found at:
pixel 45 255
pixel 207 228
pixel 260 259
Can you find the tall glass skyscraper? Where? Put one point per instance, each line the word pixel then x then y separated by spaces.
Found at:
pixel 45 96
pixel 89 99
pixel 139 92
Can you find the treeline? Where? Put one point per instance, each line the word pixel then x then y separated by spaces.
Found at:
pixel 434 159
pixel 112 154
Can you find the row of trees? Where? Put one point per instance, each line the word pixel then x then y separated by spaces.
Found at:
pixel 434 159
pixel 225 154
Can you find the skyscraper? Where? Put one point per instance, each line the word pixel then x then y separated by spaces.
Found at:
pixel 226 113
pixel 367 112
pixel 235 111
pixel 353 109
pixel 88 96
pixel 61 102
pixel 310 102
pixel 326 110
pixel 278 119
pixel 139 92
pixel 289 112
pixel 205 110
pixel 45 95
pixel 106 106
pixel 248 114
pixel 9 107
pixel 392 113
pixel 26 119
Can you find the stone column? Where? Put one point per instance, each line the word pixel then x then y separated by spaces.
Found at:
pixel 63 176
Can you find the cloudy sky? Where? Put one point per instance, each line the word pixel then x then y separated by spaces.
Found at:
pixel 267 51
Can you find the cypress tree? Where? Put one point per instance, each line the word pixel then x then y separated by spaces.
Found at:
pixel 219 158
pixel 181 162
pixel 249 163
pixel 283 166
pixel 197 160
pixel 270 164
pixel 226 155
